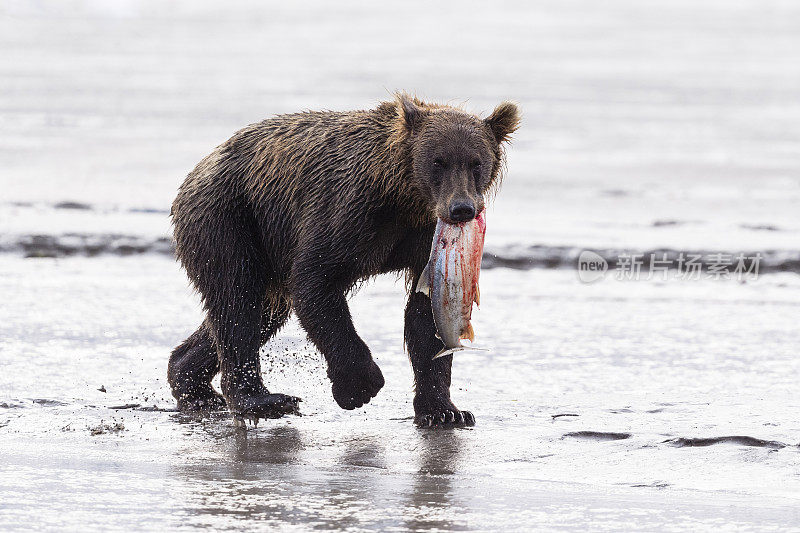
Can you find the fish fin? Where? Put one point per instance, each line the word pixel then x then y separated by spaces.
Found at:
pixel 478 294
pixel 448 351
pixel 424 283
pixel 468 333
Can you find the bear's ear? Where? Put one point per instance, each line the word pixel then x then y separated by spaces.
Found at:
pixel 503 121
pixel 409 111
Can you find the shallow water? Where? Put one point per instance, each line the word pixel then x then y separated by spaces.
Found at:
pixel 612 406
pixel 586 407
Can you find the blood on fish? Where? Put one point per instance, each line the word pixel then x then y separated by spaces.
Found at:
pixel 462 245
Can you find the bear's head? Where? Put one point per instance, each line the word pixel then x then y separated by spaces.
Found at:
pixel 457 157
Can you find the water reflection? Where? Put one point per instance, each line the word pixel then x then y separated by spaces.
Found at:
pixel 278 445
pixel 290 475
pixel 366 451
pixel 242 475
pixel 431 499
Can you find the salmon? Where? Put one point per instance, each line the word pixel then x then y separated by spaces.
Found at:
pixel 450 279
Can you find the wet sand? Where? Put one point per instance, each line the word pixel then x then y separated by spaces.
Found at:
pixel 608 406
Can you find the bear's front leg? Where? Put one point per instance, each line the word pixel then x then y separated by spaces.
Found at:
pixel 323 312
pixel 432 405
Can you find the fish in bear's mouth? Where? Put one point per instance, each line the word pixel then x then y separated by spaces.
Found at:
pixel 450 280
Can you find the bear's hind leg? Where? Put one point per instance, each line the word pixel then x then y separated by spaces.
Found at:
pixel 192 366
pixel 235 317
pixel 274 316
pixel 223 254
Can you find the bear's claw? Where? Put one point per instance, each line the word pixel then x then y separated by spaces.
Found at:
pixel 445 418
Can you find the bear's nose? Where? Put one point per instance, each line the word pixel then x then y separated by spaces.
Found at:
pixel 462 211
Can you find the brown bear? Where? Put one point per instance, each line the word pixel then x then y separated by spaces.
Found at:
pixel 291 213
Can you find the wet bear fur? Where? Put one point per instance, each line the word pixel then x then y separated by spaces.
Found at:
pixel 290 214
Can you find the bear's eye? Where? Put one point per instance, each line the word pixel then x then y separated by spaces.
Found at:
pixel 476 171
pixel 439 166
